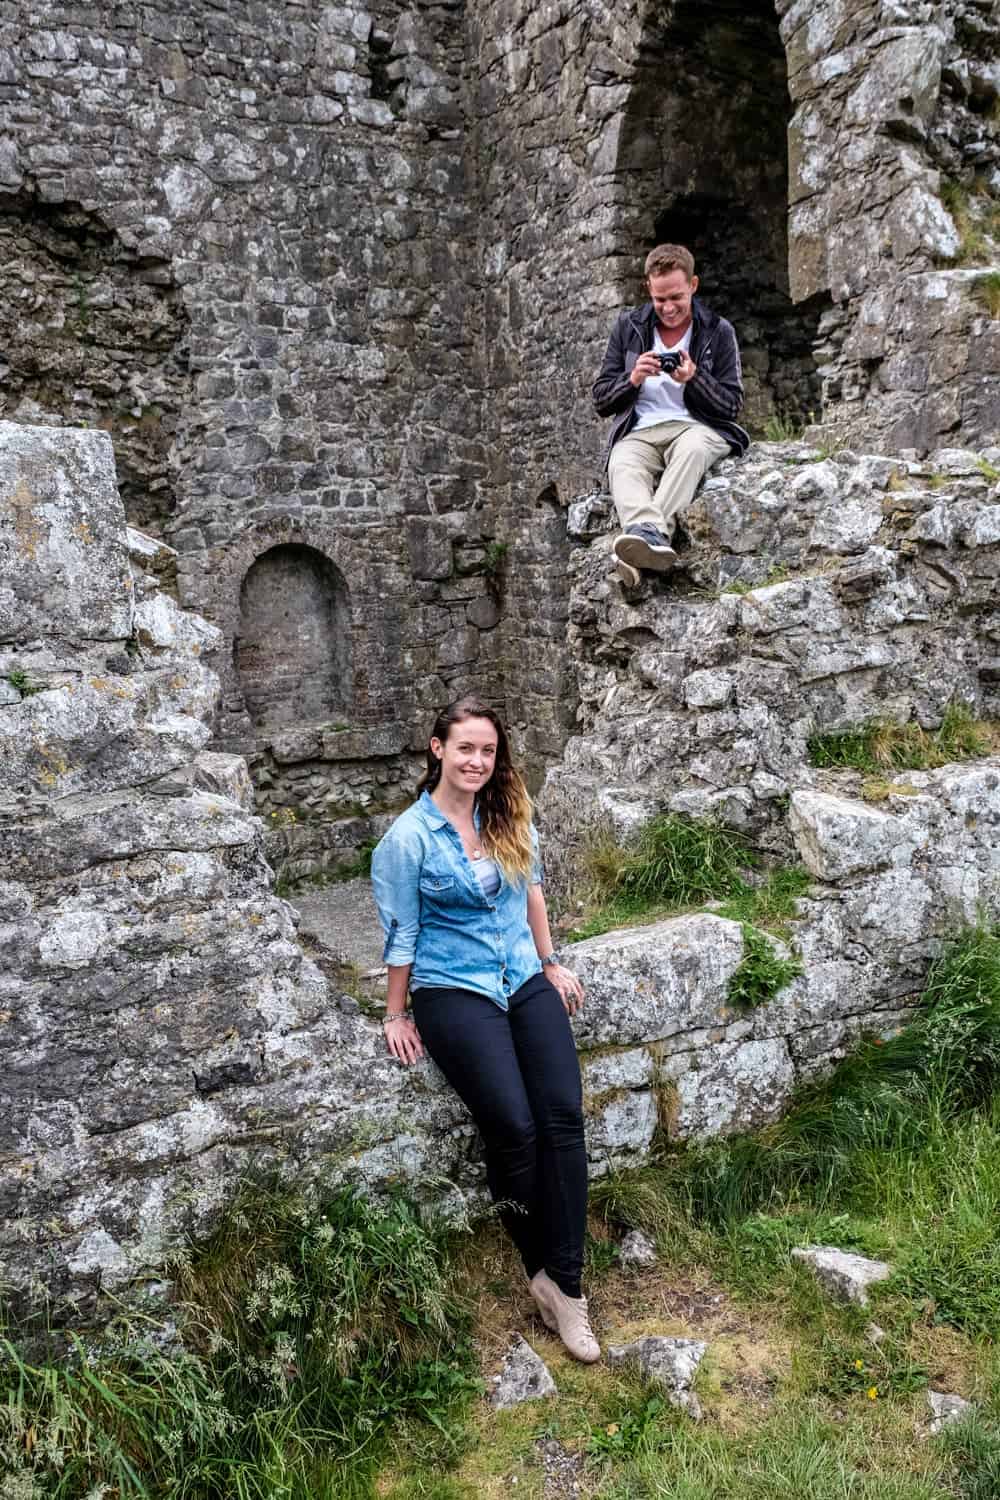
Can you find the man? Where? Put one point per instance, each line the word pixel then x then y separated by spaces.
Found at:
pixel 673 421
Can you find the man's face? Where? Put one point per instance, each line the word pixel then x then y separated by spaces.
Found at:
pixel 671 294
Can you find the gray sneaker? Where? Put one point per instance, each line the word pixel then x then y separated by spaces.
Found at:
pixel 644 547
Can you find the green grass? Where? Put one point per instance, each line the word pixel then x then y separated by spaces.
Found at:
pixel 974 1448
pixel 310 1330
pixel 805 1454
pixel 783 427
pixel 976 215
pixel 677 864
pixel 987 290
pixel 881 745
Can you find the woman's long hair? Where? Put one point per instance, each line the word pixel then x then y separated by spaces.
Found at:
pixel 503 803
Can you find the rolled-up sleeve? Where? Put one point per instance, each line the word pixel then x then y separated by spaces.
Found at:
pixel 396 866
pixel 537 875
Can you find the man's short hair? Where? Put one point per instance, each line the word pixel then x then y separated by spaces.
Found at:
pixel 664 258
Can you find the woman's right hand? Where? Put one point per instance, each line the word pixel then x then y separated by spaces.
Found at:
pixel 403 1040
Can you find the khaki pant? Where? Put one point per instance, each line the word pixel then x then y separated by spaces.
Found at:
pixel 656 471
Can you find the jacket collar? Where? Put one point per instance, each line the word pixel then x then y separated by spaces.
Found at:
pixel 430 812
pixel 434 817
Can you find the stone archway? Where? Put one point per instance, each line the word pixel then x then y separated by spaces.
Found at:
pixel 704 162
pixel 293 651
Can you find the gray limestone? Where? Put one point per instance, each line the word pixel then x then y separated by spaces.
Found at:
pixel 671 1363
pixel 946 1410
pixel 524 1376
pixel 845 1276
pixel 637 1249
pixel 136 895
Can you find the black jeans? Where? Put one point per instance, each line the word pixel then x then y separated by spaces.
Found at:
pixel 517 1073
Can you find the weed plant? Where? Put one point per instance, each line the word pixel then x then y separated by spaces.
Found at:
pixel 308 1329
pixel 881 745
pixel 762 971
pixel 19 680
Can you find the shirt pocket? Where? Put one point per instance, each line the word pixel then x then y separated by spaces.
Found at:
pixel 436 885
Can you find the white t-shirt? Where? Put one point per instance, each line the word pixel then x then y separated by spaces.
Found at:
pixel 661 397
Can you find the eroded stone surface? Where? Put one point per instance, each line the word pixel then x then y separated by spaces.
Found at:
pixel 637 1249
pixel 946 1410
pixel 844 1275
pixel 524 1376
pixel 136 898
pixel 64 560
pixel 700 692
pixel 668 1362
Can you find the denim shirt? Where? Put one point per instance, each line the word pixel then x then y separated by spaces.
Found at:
pixel 436 917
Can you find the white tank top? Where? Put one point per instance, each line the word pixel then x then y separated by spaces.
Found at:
pixel 488 876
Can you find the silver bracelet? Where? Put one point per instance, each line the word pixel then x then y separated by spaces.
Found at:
pixel 398 1015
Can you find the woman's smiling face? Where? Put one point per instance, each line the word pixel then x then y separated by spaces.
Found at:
pixel 467 756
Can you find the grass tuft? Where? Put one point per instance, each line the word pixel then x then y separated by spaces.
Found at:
pixel 976 215
pixel 881 745
pixel 783 427
pixel 678 864
pixel 22 683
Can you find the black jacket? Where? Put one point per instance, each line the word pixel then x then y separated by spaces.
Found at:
pixel 714 395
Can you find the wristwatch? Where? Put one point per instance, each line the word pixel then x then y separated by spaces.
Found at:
pixel 553 958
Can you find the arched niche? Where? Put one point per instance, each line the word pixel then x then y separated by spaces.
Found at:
pixel 293 650
pixel 704 162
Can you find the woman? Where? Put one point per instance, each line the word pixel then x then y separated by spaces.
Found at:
pixel 458 888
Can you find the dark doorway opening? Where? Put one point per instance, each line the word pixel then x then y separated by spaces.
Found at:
pixel 706 156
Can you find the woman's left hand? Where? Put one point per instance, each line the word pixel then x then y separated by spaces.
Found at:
pixel 569 987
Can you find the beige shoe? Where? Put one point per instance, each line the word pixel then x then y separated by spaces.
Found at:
pixel 566 1316
pixel 629 577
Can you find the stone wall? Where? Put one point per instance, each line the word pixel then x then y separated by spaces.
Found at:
pixel 817 593
pixel 895 110
pixel 240 239
pixel 338 279
pixel 164 1032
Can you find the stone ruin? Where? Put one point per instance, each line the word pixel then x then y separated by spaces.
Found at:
pixel 336 278
pixel 164 1031
pixel 328 285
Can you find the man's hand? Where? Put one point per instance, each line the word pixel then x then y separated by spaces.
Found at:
pixel 645 366
pixel 648 365
pixel 686 370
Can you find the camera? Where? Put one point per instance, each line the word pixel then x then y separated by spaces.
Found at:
pixel 669 362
